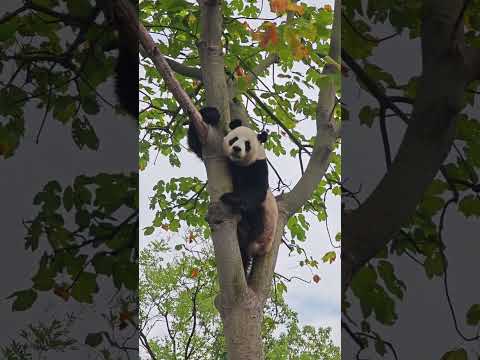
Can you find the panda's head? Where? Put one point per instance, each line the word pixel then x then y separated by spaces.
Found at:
pixel 242 145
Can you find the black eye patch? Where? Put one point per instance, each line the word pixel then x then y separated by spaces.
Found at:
pixel 232 140
pixel 247 146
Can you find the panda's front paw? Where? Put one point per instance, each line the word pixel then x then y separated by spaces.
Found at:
pixel 232 200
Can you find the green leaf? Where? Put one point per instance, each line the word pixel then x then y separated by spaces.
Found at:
pixel 44 278
pixel 84 288
pixel 94 339
pixel 24 299
pixel 79 8
pixel 82 218
pixel 387 273
pixel 149 230
pixel 125 273
pixel 103 264
pixel 380 347
pixel 473 315
pixel 459 354
pixel 470 206
pixel 64 108
pixel 329 257
pixel 84 134
pixel 7 30
pixel 367 115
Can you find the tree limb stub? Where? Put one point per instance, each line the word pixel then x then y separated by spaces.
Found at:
pixel 185 70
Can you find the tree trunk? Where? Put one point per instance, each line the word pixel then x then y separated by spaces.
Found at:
pixel 242 324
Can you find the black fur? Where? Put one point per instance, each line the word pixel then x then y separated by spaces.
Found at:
pixel 126 84
pixel 250 185
pixel 212 117
pixel 262 137
pixel 235 123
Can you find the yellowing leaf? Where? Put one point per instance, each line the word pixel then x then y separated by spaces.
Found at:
pixel 191 19
pixel 281 6
pixel 257 35
pixel 299 50
pixel 299 9
pixel 328 7
pixel 329 257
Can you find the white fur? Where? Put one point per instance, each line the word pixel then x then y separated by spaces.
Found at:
pixel 243 158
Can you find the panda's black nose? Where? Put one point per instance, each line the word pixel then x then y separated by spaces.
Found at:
pixel 236 149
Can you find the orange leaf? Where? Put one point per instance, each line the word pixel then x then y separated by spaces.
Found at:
pixel 191 237
pixel 270 36
pixel 4 148
pixel 328 7
pixel 194 273
pixel 125 315
pixel 62 292
pixel 239 71
pixel 300 52
pixel 279 6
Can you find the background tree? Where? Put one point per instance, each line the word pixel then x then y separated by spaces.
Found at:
pixel 57 62
pixel 220 59
pixel 179 293
pixel 423 110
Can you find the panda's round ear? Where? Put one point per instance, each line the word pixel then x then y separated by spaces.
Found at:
pixel 235 123
pixel 262 137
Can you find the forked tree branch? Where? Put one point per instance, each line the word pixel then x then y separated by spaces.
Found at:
pixel 263 270
pixel 327 130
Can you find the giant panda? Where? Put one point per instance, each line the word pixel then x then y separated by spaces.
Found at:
pixel 251 196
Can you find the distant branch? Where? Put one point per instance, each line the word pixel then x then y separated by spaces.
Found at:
pixel 185 70
pixel 161 64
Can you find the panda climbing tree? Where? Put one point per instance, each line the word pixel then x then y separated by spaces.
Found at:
pixel 251 196
pixel 205 83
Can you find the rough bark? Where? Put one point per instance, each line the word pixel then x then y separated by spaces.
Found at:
pixel 239 308
pixel 447 69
